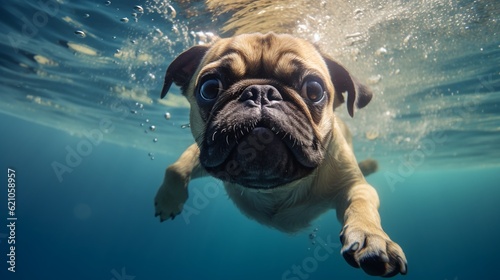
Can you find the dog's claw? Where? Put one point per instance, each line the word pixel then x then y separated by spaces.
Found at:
pixel 354 247
pixel 162 219
pixel 384 258
pixel 403 266
pixel 348 255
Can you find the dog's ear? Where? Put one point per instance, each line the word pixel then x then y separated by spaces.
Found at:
pixel 182 69
pixel 357 94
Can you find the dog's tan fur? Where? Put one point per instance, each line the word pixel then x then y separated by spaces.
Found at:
pixel 338 183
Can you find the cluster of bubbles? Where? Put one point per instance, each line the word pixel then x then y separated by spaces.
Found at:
pixel 138 12
pixel 152 128
pixel 146 55
pixel 161 7
pixel 312 236
pixel 148 126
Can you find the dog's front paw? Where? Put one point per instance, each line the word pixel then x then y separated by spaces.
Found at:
pixel 169 201
pixel 374 252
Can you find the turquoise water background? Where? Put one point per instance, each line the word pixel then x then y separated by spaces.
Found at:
pixel 433 126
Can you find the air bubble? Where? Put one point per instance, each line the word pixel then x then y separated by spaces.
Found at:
pixel 353 35
pixel 125 19
pixel 358 13
pixel 158 31
pixel 390 114
pixel 138 9
pixel 316 37
pixel 175 29
pixel 185 126
pixel 406 40
pixel 152 128
pixel 151 155
pixel 167 116
pixel 155 140
pixel 173 12
pixel 373 80
pixel 381 52
pixel 80 34
pixel 371 135
pixel 86 16
pixel 107 3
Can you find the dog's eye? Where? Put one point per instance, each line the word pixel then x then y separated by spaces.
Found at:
pixel 313 90
pixel 210 89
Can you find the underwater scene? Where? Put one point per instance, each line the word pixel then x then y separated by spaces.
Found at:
pixel 87 138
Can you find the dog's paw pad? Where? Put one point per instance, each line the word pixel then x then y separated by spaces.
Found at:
pixel 169 202
pixel 374 252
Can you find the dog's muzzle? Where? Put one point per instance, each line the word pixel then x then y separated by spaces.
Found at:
pixel 260 151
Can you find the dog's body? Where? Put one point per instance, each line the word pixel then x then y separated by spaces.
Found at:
pixel 262 115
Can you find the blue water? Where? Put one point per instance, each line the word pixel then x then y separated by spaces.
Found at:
pixel 95 219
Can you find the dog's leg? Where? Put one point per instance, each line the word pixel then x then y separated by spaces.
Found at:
pixel 365 244
pixel 173 192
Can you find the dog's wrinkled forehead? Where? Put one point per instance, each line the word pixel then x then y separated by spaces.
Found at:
pixel 263 56
pixel 281 58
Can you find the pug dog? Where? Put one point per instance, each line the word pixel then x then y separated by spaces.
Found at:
pixel 262 116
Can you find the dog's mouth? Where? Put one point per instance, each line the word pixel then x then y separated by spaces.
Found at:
pixel 259 154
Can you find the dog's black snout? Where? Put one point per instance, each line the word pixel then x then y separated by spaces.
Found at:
pixel 260 95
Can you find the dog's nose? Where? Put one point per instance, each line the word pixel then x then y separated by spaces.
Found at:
pixel 262 95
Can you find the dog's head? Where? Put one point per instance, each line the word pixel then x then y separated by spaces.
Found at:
pixel 262 105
